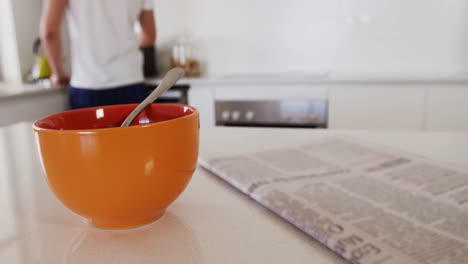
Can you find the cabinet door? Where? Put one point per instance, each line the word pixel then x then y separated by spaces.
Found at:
pixel 447 108
pixel 376 107
pixel 28 108
pixel 201 97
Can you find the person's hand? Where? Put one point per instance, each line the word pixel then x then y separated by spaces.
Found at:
pixel 60 79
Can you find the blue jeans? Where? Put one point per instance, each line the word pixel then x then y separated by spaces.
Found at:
pixel 128 94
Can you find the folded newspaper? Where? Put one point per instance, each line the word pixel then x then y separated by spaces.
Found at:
pixel 369 204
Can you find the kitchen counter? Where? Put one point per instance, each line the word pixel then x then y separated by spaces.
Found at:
pixel 210 223
pixel 14 91
pixel 22 90
pixel 10 91
pixel 316 79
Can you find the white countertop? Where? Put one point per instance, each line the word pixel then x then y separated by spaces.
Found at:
pixel 316 79
pixel 10 91
pixel 210 223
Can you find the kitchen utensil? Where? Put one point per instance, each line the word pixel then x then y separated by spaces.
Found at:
pixel 167 82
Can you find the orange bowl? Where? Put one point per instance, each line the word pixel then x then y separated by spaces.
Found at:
pixel 119 177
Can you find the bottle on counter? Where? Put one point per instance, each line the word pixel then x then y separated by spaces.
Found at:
pixel 40 70
pixel 184 55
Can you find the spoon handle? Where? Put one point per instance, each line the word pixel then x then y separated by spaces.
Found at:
pixel 167 82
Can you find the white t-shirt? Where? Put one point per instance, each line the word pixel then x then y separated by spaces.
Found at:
pixel 104 46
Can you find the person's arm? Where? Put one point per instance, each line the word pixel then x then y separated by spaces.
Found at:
pixel 147 35
pixel 51 21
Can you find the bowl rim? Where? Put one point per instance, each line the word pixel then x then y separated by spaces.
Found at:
pixel 36 128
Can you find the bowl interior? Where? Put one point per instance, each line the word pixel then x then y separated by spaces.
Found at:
pixel 112 116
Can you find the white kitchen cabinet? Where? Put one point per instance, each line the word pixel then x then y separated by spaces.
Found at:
pixel 382 106
pixel 365 105
pixel 201 97
pixel 29 107
pixel 204 95
pixel 447 108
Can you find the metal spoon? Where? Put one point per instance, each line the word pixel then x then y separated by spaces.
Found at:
pixel 167 82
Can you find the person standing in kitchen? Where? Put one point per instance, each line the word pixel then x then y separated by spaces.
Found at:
pixel 106 62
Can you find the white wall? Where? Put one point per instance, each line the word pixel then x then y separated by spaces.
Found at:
pixel 19 28
pixel 426 38
pixel 9 62
pixel 388 38
pixel 26 15
pixel 261 35
pixel 171 20
pixel 1 44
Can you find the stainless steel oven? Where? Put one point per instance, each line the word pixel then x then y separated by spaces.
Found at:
pixel 312 113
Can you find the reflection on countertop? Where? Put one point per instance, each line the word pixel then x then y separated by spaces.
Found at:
pixel 143 244
pixel 36 228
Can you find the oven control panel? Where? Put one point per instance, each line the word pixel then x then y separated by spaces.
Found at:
pixel 272 113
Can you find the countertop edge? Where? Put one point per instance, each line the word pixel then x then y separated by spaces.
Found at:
pixel 312 81
pixel 38 89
